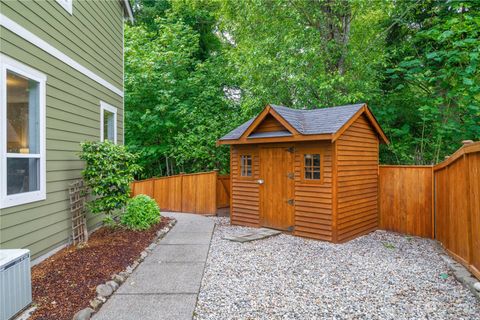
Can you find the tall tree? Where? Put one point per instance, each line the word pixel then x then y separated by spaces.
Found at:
pixel 432 88
pixel 303 53
pixel 175 79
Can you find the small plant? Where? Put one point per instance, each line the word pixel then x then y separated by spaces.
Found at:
pixel 142 212
pixel 109 170
pixel 388 245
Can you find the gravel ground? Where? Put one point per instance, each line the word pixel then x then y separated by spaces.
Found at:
pixel 379 276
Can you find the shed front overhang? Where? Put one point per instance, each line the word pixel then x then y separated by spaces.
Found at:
pixel 298 138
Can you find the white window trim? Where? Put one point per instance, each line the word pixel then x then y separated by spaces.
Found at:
pixel 7 63
pixel 67 5
pixel 105 106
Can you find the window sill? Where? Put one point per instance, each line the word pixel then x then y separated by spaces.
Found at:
pixel 21 199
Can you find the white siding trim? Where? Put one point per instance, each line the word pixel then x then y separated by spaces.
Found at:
pixel 128 8
pixel 67 5
pixel 112 109
pixel 27 35
pixel 7 63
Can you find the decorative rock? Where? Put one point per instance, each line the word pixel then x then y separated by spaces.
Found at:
pixel 102 299
pixel 151 246
pixel 96 303
pixel 104 290
pixel 118 278
pixel 477 286
pixel 287 277
pixel 134 264
pixel 124 274
pixel 112 284
pixel 143 254
pixel 83 314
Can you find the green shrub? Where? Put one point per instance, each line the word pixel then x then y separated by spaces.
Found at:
pixel 109 170
pixel 141 213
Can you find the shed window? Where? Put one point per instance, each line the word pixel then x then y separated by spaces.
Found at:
pixel 312 166
pixel 246 165
pixel 22 149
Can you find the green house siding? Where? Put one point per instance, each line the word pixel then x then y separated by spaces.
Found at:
pixel 92 35
pixel 94 40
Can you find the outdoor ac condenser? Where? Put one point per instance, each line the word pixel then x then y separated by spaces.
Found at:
pixel 15 282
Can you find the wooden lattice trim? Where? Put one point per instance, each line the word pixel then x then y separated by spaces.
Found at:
pixel 77 208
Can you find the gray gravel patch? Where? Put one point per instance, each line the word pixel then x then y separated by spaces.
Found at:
pixel 382 275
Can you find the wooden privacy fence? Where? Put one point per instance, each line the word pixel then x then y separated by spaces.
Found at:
pixel 406 199
pixel 223 191
pixel 440 202
pixel 199 193
pixel 457 205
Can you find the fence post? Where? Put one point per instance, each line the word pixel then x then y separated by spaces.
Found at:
pixel 153 192
pixel 181 191
pixel 216 187
pixel 466 159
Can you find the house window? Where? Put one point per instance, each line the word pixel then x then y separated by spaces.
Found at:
pixel 108 122
pixel 22 127
pixel 67 5
pixel 246 165
pixel 312 166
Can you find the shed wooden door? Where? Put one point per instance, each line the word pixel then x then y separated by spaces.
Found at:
pixel 276 192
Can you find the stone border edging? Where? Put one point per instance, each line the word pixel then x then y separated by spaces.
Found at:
pixel 463 276
pixel 105 290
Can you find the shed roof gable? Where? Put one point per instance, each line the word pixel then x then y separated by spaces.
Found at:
pixel 329 123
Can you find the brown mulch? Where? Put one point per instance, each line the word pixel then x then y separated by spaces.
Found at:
pixel 65 283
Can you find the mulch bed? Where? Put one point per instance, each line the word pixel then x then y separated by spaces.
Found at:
pixel 66 282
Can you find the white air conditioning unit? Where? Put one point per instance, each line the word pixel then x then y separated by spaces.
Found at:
pixel 15 282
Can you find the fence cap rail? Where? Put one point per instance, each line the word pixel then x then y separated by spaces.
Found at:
pixel 465 149
pixel 413 166
pixel 176 176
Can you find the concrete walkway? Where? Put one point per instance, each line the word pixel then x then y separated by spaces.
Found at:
pixel 166 284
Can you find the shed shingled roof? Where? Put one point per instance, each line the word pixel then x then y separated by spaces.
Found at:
pixel 316 121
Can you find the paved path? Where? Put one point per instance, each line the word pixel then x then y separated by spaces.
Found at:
pixel 166 284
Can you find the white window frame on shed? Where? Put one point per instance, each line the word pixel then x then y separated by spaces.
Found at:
pixel 7 63
pixel 67 5
pixel 107 107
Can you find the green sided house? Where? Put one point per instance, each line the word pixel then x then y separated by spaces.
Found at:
pixel 61 83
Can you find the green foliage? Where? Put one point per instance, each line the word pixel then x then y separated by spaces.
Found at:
pixel 109 170
pixel 174 79
pixel 303 54
pixel 388 245
pixel 141 213
pixel 196 69
pixel 433 81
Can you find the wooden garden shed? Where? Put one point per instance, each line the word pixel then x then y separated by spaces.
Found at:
pixel 313 173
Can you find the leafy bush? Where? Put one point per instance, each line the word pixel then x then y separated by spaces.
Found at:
pixel 109 170
pixel 141 213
